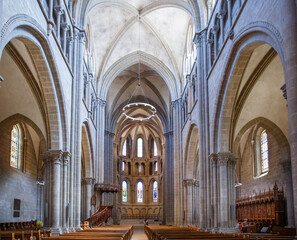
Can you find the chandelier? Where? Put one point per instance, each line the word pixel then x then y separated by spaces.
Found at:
pixel 133 103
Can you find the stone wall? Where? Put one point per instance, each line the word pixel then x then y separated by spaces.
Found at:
pixel 17 183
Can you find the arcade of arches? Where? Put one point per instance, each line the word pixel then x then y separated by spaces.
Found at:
pixel 222 76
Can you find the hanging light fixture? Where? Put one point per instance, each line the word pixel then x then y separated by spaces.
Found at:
pixel 132 102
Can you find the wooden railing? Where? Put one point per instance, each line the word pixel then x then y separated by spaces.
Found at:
pixel 263 207
pixel 100 216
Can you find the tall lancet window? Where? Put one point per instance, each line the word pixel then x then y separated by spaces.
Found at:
pixel 140 192
pixel 264 151
pixel 15 146
pixel 124 151
pixel 124 191
pixel 139 147
pixel 155 149
pixel 155 191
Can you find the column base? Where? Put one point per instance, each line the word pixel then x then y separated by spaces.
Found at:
pixel 65 230
pixel 78 228
pixel 56 231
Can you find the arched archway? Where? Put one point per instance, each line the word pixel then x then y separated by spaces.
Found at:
pixel 190 179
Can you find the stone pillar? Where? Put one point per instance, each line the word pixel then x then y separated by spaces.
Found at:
pixel 214 201
pixel 289 193
pixel 178 167
pixel 70 49
pixel 88 185
pixel 73 146
pixel 229 2
pixel 209 9
pixel 77 136
pixel 65 28
pixel 289 33
pixel 189 201
pixel 66 158
pixel 59 12
pixel 99 165
pixel 221 17
pixel 54 160
pixel 214 30
pixel 168 171
pixel 226 192
pixel 70 3
pixel 40 202
pixel 210 43
pixel 50 24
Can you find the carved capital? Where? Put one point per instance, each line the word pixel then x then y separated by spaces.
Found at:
pixel 215 29
pixel 82 37
pixel 198 38
pixel 210 41
pixel 101 102
pixel 225 157
pixel 65 26
pixel 213 159
pixel 88 181
pixel 176 102
pixel 231 34
pixel 53 157
pixel 221 13
pixel 66 157
pixel 59 10
pixel 190 182
pixel 284 90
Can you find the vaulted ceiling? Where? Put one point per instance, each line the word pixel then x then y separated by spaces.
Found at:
pixel 129 37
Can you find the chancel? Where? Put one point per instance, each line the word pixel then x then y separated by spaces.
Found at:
pixel 180 115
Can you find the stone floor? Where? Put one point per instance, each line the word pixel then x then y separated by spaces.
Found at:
pixel 139 235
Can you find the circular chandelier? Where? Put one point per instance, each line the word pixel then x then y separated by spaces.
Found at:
pixel 136 104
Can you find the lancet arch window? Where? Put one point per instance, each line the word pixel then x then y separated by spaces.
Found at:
pixel 15 146
pixel 264 152
pixel 139 147
pixel 124 191
pixel 139 189
pixel 155 191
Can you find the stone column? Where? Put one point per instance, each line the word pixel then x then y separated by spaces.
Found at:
pixel 178 167
pixel 50 24
pixel 73 146
pixel 214 160
pixel 40 202
pixel 168 173
pixel 189 201
pixel 70 49
pixel 214 30
pixel 54 159
pixel 209 9
pixel 99 165
pixel 289 192
pixel 65 28
pixel 59 12
pixel 227 191
pixel 221 17
pixel 88 184
pixel 289 33
pixel 229 2
pixel 77 136
pixel 210 43
pixel 66 158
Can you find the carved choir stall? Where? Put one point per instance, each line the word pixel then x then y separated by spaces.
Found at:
pixel 264 208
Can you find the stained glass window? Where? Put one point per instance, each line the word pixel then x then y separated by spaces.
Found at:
pixel 155 191
pixel 140 192
pixel 156 166
pixel 15 146
pixel 123 166
pixel 124 187
pixel 124 152
pixel 264 151
pixel 155 149
pixel 139 147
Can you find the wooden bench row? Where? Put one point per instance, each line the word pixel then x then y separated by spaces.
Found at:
pixel 19 225
pixel 24 234
pixel 97 233
pixel 175 233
